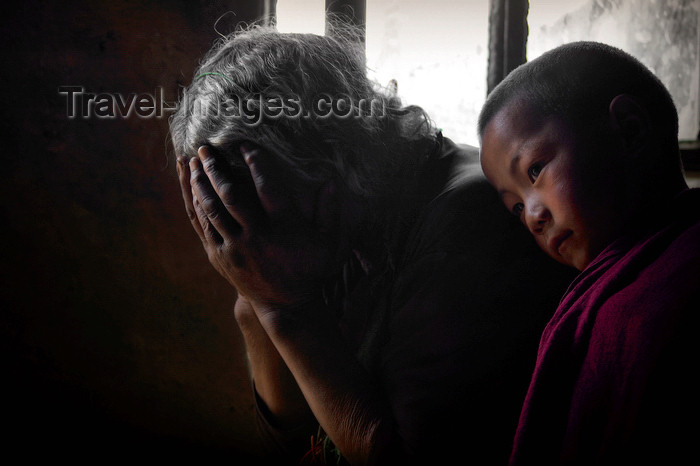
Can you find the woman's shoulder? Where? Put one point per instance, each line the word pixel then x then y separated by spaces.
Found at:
pixel 464 213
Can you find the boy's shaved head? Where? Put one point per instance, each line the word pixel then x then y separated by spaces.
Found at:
pixel 577 82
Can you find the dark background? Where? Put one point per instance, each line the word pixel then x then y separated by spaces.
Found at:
pixel 118 337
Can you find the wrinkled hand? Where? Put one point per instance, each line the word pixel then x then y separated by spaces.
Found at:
pixel 274 247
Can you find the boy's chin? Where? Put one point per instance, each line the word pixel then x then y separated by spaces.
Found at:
pixel 581 264
pixel 576 259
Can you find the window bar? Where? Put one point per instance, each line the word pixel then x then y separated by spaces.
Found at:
pixel 507 38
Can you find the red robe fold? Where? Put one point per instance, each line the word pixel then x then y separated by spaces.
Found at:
pixel 614 381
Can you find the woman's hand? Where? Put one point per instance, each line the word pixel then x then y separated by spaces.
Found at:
pixel 278 248
pixel 257 233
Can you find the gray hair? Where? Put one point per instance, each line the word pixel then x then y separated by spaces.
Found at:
pixel 246 69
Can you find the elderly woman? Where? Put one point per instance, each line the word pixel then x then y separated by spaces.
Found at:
pixel 390 308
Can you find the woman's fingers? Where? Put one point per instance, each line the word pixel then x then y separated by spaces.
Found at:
pixel 183 173
pixel 217 224
pixel 268 178
pixel 234 189
pixel 211 235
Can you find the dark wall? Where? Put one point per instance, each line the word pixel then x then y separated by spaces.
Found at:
pixel 118 337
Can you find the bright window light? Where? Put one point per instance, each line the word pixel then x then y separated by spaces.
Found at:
pixel 437 52
pixel 301 16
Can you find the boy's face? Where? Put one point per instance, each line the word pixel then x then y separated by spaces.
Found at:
pixel 567 205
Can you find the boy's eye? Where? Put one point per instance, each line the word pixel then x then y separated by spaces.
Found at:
pixel 534 171
pixel 518 209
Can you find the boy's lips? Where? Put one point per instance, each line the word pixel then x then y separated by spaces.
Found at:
pixel 556 242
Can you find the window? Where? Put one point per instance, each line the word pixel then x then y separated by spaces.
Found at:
pixel 301 16
pixel 436 52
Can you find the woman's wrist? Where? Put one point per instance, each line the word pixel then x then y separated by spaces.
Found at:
pixel 292 318
pixel 244 313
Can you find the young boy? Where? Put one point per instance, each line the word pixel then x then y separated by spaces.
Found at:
pixel 581 144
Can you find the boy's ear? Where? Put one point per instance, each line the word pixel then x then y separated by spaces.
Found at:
pixel 631 122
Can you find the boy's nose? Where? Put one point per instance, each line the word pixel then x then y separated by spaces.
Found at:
pixel 536 217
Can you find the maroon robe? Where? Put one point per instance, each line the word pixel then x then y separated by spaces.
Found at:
pixel 614 381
